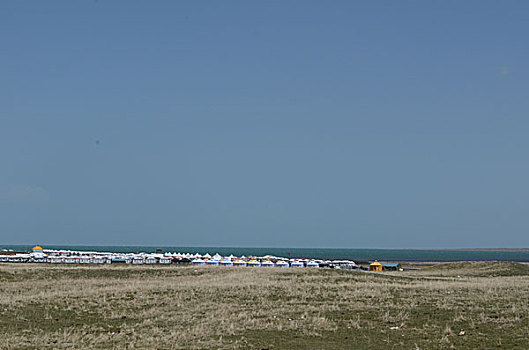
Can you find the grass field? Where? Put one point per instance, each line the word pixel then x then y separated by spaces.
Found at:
pixel 481 305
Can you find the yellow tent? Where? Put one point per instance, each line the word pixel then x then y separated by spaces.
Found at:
pixel 37 248
pixel 376 266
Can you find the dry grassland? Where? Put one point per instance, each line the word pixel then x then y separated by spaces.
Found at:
pixel 478 306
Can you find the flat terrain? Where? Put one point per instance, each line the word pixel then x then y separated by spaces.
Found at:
pixel 481 305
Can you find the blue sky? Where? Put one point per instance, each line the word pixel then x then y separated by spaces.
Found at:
pixel 280 123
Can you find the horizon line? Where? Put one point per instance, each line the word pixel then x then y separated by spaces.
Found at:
pixel 260 247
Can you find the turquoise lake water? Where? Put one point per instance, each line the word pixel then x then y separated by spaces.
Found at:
pixel 315 253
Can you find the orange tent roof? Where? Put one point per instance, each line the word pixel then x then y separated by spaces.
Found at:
pixel 37 247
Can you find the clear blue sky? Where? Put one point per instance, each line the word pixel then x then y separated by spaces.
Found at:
pixel 273 123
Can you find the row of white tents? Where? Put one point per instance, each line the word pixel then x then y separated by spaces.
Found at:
pixel 83 257
pixel 139 260
pixel 98 258
pixel 65 259
pixel 254 263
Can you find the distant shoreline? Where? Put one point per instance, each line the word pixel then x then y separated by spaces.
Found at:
pixel 513 250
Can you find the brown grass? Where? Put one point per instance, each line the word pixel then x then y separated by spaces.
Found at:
pixel 172 307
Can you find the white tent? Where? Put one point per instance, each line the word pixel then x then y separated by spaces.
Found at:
pixel 57 260
pixel 282 264
pixel 297 264
pixel 212 263
pixel 138 260
pixel 226 263
pixel 150 259
pixel 165 260
pixel 267 263
pixel 198 262
pixel 254 263
pixel 239 263
pixel 313 264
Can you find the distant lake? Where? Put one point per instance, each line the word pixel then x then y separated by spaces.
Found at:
pixel 315 253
